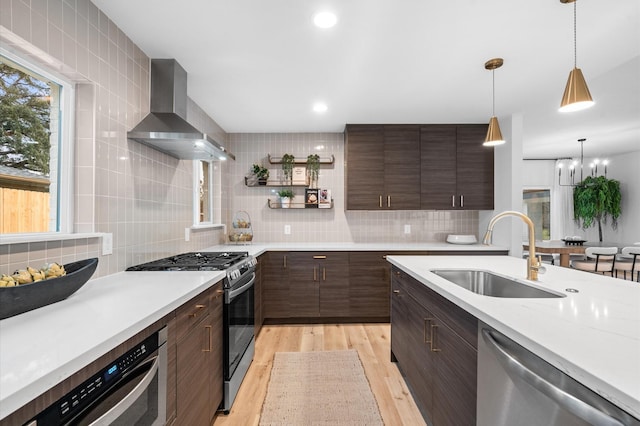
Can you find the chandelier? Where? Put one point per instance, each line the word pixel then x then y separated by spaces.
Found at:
pixel 570 180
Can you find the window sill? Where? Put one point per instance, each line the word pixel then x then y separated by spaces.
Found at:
pixel 207 226
pixel 51 236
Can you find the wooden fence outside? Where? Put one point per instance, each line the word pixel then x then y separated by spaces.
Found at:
pixel 23 211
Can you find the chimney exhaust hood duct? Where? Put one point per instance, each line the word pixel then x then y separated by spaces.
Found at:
pixel 166 128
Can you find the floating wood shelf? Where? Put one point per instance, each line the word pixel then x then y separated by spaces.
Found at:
pixel 323 160
pixel 273 183
pixel 298 206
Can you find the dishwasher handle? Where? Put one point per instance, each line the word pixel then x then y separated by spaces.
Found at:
pixel 561 397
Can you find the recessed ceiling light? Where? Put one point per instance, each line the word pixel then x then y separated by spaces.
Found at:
pixel 320 107
pixel 325 19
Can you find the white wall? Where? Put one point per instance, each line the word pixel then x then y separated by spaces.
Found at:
pixel 508 187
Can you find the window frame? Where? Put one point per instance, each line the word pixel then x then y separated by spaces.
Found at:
pixel 214 209
pixel 65 195
pixel 539 188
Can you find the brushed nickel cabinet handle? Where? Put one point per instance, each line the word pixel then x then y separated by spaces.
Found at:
pixel 284 261
pixel 462 201
pixel 210 334
pixel 453 201
pixel 319 257
pixel 396 291
pixel 432 344
pixel 388 200
pixel 315 274
pixel 324 274
pixel 381 201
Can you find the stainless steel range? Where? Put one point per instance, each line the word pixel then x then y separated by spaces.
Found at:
pixel 239 319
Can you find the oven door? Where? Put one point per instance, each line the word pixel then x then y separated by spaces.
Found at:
pixel 239 319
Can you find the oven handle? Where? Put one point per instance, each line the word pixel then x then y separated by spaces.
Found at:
pixel 124 404
pixel 232 294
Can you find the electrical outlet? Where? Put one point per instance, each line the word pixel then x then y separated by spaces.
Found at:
pixel 407 229
pixel 107 244
pixel 287 230
pixel 187 234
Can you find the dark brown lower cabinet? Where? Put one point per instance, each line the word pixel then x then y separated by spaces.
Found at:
pixel 275 284
pixel 369 285
pixel 438 363
pixel 199 358
pixel 318 284
pixel 258 310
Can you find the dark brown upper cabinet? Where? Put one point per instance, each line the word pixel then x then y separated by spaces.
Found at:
pixel 456 169
pixel 383 167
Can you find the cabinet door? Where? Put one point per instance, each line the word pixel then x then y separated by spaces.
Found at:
pixel 214 351
pixel 438 167
pixel 474 168
pixel 410 328
pixel 192 384
pixel 368 285
pixel 258 312
pixel 364 177
pixel 333 278
pixel 304 285
pixel 454 401
pixel 275 285
pixel 401 167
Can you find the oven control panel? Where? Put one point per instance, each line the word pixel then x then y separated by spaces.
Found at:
pixel 73 403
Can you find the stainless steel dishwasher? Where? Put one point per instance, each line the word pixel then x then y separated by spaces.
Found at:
pixel 516 387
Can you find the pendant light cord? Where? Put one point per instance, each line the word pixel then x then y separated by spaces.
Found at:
pixel 493 92
pixel 575 41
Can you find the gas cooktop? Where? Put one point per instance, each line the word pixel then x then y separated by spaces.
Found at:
pixel 195 261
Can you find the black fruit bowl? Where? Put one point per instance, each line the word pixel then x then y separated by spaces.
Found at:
pixel 26 297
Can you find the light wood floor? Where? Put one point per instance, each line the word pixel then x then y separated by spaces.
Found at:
pixel 372 341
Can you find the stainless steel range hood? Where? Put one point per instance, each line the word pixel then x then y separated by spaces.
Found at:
pixel 166 128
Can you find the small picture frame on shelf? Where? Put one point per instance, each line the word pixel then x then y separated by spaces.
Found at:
pixel 324 198
pixel 299 176
pixel 311 198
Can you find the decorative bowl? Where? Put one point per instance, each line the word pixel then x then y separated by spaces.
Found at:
pixel 461 239
pixel 26 297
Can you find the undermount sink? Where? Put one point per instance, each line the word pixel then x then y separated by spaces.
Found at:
pixel 487 283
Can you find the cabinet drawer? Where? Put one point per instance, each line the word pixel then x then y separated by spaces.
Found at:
pixel 460 321
pixel 191 313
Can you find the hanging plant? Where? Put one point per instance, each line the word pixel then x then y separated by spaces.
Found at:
pixel 313 169
pixel 288 161
pixel 261 173
pixel 594 200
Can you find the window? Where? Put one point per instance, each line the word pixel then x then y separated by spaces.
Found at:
pixel 537 205
pixel 32 128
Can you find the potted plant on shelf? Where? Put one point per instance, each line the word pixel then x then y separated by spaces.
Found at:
pixel 261 173
pixel 313 169
pixel 594 199
pixel 285 197
pixel 288 160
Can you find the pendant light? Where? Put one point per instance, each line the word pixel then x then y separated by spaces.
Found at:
pixel 494 135
pixel 576 95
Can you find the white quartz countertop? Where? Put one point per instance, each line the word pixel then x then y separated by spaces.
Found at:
pixel 258 249
pixel 41 348
pixel 593 335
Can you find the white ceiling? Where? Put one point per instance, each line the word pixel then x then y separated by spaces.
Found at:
pixel 258 66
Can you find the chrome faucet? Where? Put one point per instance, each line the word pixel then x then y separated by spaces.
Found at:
pixel 534 264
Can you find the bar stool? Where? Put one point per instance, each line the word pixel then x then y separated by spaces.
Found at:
pixel 599 259
pixel 629 261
